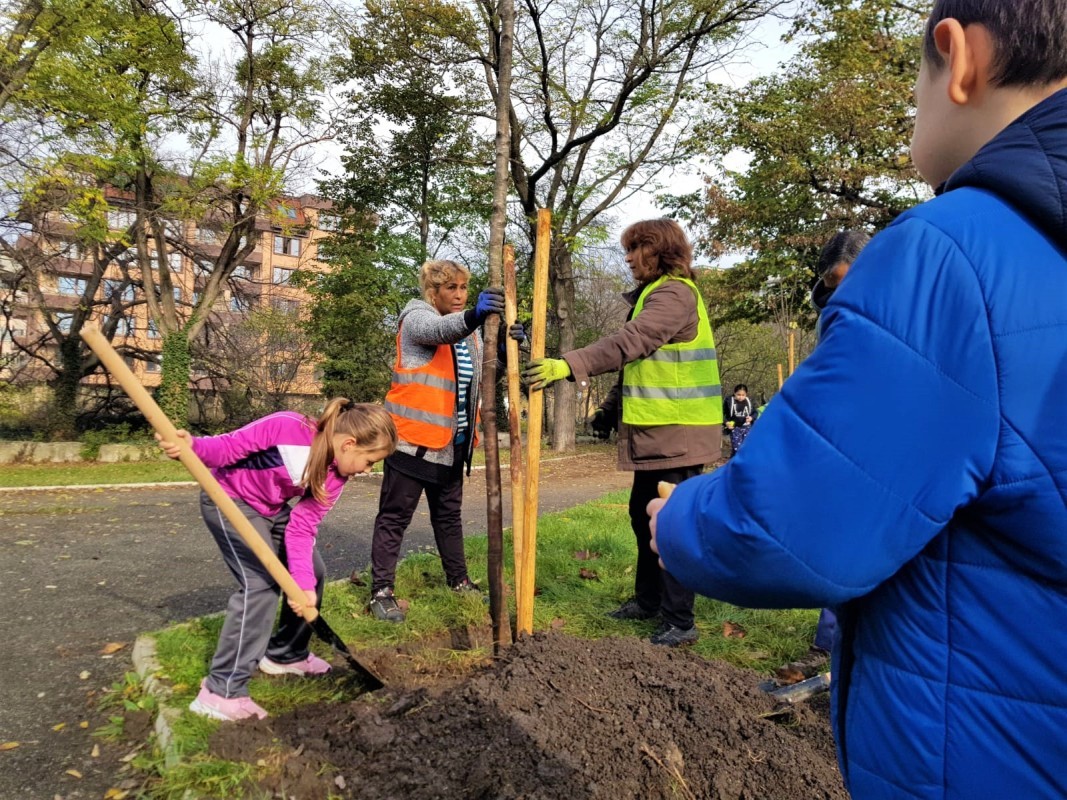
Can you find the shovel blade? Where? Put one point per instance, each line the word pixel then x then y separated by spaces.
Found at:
pixel 364 674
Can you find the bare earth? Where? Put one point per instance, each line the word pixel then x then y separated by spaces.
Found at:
pixel 85 571
pixel 556 718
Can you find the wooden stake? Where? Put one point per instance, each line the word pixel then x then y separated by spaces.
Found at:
pixel 533 431
pixel 514 416
pixel 792 351
pixel 781 380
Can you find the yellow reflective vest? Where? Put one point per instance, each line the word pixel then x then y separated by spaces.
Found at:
pixel 678 384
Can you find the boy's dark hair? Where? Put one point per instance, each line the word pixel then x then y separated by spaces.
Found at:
pixel 844 246
pixel 1029 36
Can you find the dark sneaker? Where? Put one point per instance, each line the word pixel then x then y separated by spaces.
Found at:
pixel 671 636
pixel 383 605
pixel 467 585
pixel 631 609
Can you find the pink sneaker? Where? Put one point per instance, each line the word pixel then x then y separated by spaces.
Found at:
pixel 227 709
pixel 312 665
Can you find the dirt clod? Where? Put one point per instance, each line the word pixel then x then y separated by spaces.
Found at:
pixel 556 717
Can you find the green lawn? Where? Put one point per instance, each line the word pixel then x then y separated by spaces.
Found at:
pixel 598 531
pixel 91 472
pixel 163 471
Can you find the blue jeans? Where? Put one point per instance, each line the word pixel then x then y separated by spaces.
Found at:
pixel 826 630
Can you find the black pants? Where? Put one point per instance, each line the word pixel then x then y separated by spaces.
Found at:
pixel 396 505
pixel 655 588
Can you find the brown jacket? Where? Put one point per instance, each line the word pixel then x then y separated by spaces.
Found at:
pixel 669 315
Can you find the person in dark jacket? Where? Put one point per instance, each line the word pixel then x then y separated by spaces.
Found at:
pixel 666 405
pixel 948 563
pixel 738 414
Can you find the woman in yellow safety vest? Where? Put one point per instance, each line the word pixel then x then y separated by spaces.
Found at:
pixel 666 405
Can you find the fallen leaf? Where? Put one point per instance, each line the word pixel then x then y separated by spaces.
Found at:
pixel 731 630
pixel 557 623
pixel 84 674
pixel 95 751
pixel 8 746
pixel 586 555
pixel 74 773
pixel 83 724
pixel 404 605
pixel 588 574
pixel 789 674
pixel 339 781
pixel 59 727
pixel 112 647
pixel 116 794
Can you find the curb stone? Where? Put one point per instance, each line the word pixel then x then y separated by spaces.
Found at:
pixel 148 668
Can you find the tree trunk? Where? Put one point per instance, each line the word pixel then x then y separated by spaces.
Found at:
pixel 64 412
pixel 174 384
pixel 497 226
pixel 565 397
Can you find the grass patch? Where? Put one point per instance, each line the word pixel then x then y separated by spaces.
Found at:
pixel 601 529
pixel 167 471
pixel 89 473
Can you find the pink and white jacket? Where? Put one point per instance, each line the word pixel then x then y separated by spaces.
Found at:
pixel 262 464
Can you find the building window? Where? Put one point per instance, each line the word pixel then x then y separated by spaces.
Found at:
pixel 126 326
pixel 209 236
pixel 152 330
pixel 286 245
pixel 281 372
pixel 152 365
pixel 282 276
pixel 113 288
pixel 284 305
pixel 64 321
pixel 329 222
pixel 72 287
pixel 174 260
pixel 120 218
pixel 242 272
pixel 239 302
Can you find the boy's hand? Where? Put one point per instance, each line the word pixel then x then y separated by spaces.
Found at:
pixel 653 508
pixel 298 608
pixel 174 449
pixel 542 372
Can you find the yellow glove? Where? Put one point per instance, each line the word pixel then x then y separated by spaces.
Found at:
pixel 542 372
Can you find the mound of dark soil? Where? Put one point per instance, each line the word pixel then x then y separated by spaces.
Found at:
pixel 557 717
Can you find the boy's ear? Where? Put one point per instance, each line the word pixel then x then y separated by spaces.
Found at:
pixel 968 53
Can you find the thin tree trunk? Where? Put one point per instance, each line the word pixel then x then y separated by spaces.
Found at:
pixel 494 521
pixel 565 397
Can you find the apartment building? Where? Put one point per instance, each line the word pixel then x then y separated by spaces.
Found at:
pixel 287 239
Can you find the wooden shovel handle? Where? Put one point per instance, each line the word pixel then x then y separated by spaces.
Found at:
pixel 114 364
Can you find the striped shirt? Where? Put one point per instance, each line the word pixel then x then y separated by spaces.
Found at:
pixel 464 375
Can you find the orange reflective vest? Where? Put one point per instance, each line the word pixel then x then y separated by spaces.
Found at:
pixel 422 400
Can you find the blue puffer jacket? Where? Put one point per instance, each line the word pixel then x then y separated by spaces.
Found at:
pixel 945 546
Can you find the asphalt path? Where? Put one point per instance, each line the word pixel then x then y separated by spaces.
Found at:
pixel 83 571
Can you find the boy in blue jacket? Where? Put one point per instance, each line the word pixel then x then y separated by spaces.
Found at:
pixel 946 555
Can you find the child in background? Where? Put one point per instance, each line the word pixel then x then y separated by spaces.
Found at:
pixel 738 414
pixel 263 466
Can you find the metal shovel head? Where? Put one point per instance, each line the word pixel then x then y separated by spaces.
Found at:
pixel 364 674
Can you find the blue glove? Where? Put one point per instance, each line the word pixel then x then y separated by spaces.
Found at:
pixel 491 301
pixel 517 332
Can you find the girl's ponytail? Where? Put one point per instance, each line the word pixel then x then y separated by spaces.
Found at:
pixel 370 425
